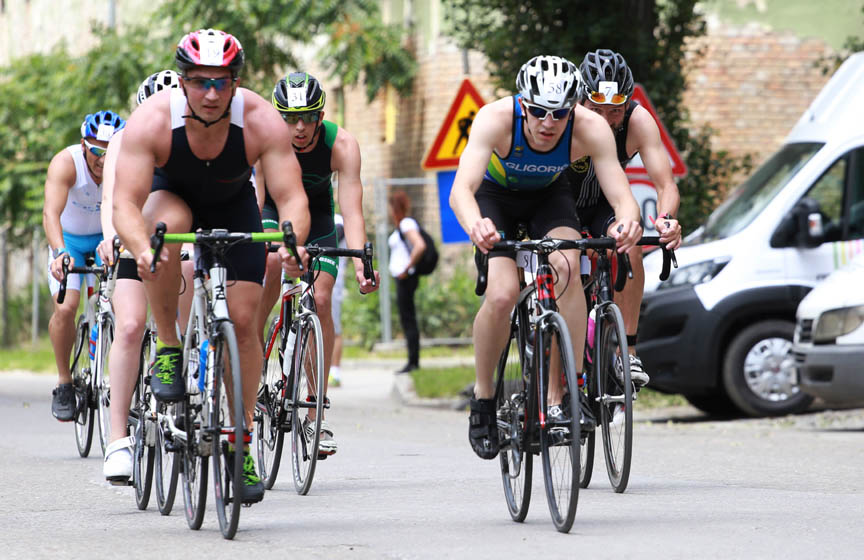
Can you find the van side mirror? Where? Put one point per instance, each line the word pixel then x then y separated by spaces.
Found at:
pixel 802 227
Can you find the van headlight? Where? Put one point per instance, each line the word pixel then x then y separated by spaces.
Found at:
pixel 694 274
pixel 838 322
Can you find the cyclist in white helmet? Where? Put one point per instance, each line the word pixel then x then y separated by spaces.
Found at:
pixel 130 307
pixel 71 221
pixel 517 147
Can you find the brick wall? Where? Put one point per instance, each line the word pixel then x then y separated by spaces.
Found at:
pixel 751 85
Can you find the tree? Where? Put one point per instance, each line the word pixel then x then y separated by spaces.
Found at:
pixel 359 45
pixel 651 36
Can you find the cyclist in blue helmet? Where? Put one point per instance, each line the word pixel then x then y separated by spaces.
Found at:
pixel 71 220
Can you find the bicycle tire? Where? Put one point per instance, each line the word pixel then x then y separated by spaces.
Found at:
pixel 194 470
pixel 587 442
pixel 81 382
pixel 308 387
pixel 269 414
pixel 142 453
pixel 227 476
pixel 167 465
pixel 611 392
pixel 103 381
pixel 558 445
pixel 514 406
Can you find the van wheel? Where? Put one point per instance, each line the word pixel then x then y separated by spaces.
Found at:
pixel 716 405
pixel 759 371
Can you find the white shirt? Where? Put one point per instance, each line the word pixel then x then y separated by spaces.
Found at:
pixel 81 214
pixel 400 252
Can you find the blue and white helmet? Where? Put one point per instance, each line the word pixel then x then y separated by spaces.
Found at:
pixel 102 125
pixel 550 81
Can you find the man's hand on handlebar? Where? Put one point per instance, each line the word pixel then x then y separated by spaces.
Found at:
pixel 289 263
pixel 626 234
pixel 484 234
pixel 670 232
pixel 57 266
pixel 366 286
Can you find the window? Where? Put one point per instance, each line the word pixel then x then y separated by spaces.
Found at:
pixel 840 194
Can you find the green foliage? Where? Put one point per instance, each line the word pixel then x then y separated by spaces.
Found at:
pixel 653 44
pixel 20 313
pixel 852 45
pixel 359 44
pixel 445 309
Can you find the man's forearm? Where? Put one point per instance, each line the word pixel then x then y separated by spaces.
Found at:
pixel 131 227
pixel 53 231
pixel 668 200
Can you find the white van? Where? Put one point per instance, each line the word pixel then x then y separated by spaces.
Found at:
pixel 720 329
pixel 829 337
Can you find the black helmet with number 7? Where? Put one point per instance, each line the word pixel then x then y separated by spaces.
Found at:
pixel 608 80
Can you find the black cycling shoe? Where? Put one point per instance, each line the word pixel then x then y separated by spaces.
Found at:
pixel 587 423
pixel 166 375
pixel 483 428
pixel 252 489
pixel 63 402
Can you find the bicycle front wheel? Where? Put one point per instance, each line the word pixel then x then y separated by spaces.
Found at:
pixel 167 465
pixel 587 445
pixel 103 381
pixel 269 414
pixel 226 418
pixel 559 441
pixel 194 471
pixel 514 411
pixel 307 398
pixel 143 453
pixel 614 395
pixel 81 381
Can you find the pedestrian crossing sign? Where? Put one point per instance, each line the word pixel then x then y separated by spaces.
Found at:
pixel 453 134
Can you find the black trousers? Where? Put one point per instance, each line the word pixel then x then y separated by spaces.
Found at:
pixel 408 315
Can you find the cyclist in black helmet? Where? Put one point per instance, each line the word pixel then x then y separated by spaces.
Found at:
pixel 608 91
pixel 517 148
pixel 322 148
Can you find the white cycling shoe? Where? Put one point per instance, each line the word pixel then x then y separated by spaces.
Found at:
pixel 637 372
pixel 326 444
pixel 117 467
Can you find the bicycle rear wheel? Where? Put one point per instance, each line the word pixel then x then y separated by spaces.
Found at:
pixel 308 395
pixel 586 447
pixel 514 409
pixel 167 465
pixel 559 442
pixel 81 381
pixel 269 414
pixel 226 417
pixel 614 395
pixel 103 381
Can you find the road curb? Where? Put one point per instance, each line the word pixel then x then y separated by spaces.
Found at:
pixel 403 392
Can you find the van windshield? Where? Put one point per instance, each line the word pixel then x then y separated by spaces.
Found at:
pixel 747 201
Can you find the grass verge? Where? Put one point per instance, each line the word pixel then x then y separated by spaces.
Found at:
pixel 29 358
pixel 450 381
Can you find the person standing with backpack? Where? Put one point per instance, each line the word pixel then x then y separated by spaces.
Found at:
pixel 406 250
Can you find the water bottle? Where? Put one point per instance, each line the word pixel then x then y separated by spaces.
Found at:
pixel 94 336
pixel 202 364
pixel 592 315
pixel 288 355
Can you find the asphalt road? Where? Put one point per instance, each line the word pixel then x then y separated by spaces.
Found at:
pixel 405 484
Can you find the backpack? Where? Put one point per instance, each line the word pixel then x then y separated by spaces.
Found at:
pixel 429 260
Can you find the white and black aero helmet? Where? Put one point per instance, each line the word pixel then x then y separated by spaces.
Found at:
pixel 549 81
pixel 166 79
pixel 603 68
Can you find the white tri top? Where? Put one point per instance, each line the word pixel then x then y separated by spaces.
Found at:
pixel 81 214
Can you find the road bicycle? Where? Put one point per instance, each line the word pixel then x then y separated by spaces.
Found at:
pixel 293 375
pixel 212 411
pixel 94 332
pixel 608 388
pixel 539 346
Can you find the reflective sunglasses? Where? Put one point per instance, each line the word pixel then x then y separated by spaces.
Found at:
pixel 603 99
pixel 95 150
pixel 204 84
pixel 308 118
pixel 542 112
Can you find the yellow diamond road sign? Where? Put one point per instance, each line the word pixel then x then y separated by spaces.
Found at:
pixel 453 135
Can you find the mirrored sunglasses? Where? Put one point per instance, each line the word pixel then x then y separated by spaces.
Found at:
pixel 542 112
pixel 204 84
pixel 97 151
pixel 308 118
pixel 603 99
